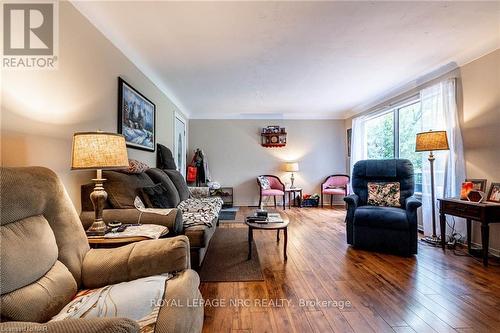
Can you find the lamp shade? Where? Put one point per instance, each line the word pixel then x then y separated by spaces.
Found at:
pixel 432 140
pixel 291 166
pixel 99 150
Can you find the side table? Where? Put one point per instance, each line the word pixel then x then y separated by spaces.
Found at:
pixel 485 213
pixel 294 191
pixel 107 242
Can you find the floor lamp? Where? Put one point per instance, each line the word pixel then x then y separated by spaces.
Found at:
pixel 431 141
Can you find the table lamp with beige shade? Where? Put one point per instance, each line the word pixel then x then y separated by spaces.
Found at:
pixel 432 141
pixel 292 167
pixel 98 150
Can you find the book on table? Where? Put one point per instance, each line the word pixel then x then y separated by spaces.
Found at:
pixel 271 218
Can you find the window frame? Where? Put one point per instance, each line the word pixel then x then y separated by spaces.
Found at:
pixel 395 110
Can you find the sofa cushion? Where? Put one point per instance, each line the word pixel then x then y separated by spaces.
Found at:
pixel 29 251
pixel 156 196
pixel 381 217
pixel 179 182
pixel 123 188
pixel 164 158
pixel 39 301
pixel 159 176
pixel 199 235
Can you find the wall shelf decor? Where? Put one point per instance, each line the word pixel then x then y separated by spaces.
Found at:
pixel 273 136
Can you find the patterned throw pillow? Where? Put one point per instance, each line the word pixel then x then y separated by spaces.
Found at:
pixel 264 183
pixel 384 194
pixel 134 167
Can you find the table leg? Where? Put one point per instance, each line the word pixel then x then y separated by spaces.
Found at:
pixel 250 238
pixel 485 239
pixel 285 231
pixel 469 235
pixel 278 235
pixel 300 199
pixel 442 222
pixel 289 196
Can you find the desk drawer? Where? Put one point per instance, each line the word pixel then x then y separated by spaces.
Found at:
pixel 461 209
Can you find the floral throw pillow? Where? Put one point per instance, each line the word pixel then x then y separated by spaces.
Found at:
pixel 384 194
pixel 264 183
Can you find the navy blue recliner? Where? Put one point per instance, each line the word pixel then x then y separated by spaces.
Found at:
pixel 385 229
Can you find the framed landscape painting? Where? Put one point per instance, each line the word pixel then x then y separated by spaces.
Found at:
pixel 136 117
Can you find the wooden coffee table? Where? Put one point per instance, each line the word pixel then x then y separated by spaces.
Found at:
pixel 268 226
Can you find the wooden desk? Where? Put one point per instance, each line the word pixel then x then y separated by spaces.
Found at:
pixel 485 213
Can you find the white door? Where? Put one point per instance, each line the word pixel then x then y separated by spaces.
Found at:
pixel 180 144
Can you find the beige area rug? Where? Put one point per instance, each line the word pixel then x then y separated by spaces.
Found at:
pixel 226 260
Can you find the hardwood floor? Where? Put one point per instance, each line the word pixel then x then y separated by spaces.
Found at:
pixel 431 292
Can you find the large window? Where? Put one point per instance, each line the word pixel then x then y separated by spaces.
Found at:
pixel 392 135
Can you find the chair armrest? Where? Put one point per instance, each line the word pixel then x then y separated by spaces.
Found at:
pixel 412 203
pixel 102 267
pixel 352 204
pixel 173 221
pixel 199 192
pixel 352 201
pixel 94 325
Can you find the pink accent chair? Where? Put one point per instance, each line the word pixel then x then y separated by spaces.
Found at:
pixel 277 189
pixel 335 185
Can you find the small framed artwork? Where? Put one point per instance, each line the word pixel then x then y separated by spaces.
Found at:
pixel 478 184
pixel 136 117
pixel 494 193
pixel 348 141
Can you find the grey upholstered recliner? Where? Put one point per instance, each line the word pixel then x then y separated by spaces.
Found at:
pixel 45 260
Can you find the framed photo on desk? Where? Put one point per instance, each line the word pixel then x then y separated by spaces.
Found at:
pixel 494 193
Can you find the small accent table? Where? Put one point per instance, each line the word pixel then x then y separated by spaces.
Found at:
pixel 268 226
pixel 485 213
pixel 293 191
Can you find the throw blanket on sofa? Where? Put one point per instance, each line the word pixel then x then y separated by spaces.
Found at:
pixel 139 300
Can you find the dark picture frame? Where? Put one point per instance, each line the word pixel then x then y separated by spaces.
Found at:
pixel 348 141
pixel 494 193
pixel 478 184
pixel 136 117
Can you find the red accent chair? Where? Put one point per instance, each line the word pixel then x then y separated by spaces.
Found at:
pixel 276 188
pixel 335 185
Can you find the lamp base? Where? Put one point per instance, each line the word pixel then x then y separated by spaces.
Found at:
pixel 98 228
pixel 432 240
pixel 98 198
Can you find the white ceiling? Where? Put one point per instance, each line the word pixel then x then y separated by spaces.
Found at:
pixel 292 59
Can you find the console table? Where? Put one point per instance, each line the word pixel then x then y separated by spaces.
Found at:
pixel 485 213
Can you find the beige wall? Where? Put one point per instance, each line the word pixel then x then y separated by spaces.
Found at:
pixel 236 157
pixel 480 124
pixel 42 109
pixel 478 94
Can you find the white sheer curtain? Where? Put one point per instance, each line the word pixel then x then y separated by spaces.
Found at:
pixel 358 140
pixel 439 112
